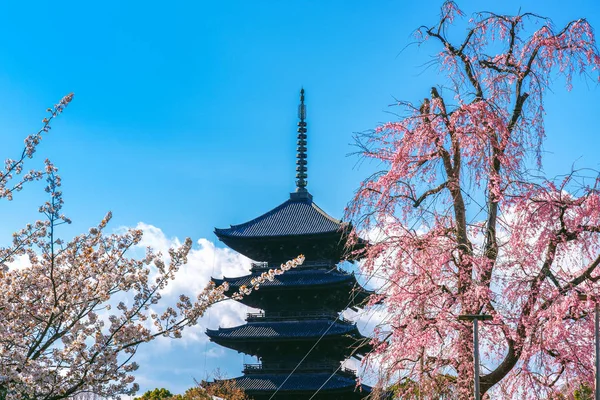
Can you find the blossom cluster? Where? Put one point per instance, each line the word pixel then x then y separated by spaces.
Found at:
pixel 72 319
pixel 13 168
pixel 267 276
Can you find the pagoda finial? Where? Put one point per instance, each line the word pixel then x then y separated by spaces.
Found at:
pixel 301 169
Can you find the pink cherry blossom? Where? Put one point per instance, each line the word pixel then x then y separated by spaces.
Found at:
pixel 464 227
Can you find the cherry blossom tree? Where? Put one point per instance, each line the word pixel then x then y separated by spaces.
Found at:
pixel 72 319
pixel 466 222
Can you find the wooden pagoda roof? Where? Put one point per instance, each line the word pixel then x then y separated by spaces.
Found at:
pixel 293 278
pixel 265 330
pixel 297 216
pixel 310 279
pixel 299 382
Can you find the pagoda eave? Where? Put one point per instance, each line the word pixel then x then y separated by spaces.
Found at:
pixel 330 245
pixel 359 345
pixel 294 279
pixel 302 386
pixel 333 296
pixel 332 346
pixel 299 216
pixel 299 329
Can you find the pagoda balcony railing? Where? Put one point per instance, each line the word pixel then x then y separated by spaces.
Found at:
pixel 287 315
pixel 306 264
pixel 329 367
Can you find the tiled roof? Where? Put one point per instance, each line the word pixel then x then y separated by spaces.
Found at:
pixel 284 330
pixel 297 382
pixel 294 278
pixel 297 216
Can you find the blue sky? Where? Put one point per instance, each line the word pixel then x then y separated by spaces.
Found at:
pixel 185 112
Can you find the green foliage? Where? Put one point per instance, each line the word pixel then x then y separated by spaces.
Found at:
pixel 584 393
pixel 195 393
pixel 222 388
pixel 156 394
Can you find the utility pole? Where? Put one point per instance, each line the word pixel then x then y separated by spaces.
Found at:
pixel 475 318
pixel 584 297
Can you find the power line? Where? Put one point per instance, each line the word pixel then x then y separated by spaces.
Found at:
pixel 482 208
pixel 354 294
pixel 336 371
pixel 340 366
pixel 315 345
pixel 354 351
pixel 333 322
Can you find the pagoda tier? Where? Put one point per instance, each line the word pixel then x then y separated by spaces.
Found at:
pixel 292 339
pixel 295 226
pixel 299 338
pixel 301 289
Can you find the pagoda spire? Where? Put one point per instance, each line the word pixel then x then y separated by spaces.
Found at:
pixel 301 170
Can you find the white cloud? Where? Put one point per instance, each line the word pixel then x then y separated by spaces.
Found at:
pixel 20 262
pixel 175 364
pixel 205 261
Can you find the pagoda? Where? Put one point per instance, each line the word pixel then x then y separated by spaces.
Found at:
pixel 299 337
